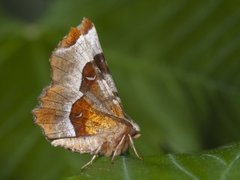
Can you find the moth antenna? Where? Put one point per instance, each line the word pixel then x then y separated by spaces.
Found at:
pixel 133 147
pixel 118 146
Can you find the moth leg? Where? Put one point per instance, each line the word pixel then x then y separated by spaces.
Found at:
pixel 117 148
pixel 134 149
pixel 90 162
pixel 93 158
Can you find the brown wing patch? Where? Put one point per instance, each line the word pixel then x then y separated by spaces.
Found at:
pixel 85 26
pixel 88 77
pixel 53 113
pixel 54 123
pixel 87 121
pixel 100 61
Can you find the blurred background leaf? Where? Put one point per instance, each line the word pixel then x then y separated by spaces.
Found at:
pixel 176 65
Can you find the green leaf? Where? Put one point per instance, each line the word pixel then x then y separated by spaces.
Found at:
pixel 176 66
pixel 220 164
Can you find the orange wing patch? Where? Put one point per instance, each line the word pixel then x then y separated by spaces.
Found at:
pixel 87 121
pixel 75 32
pixel 71 38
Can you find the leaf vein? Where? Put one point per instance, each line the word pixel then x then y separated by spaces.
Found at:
pixel 180 167
pixel 216 158
pixel 227 170
pixel 125 169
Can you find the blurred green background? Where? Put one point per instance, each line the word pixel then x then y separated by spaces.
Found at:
pixel 176 64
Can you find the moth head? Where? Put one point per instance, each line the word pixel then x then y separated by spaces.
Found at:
pixel 136 130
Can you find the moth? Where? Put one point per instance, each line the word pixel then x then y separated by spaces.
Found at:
pixel 81 110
